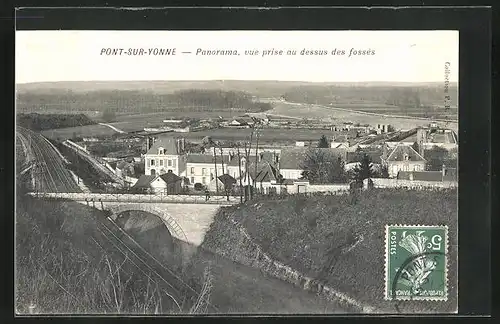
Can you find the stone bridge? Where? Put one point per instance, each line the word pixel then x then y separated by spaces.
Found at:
pixel 187 219
pixel 186 222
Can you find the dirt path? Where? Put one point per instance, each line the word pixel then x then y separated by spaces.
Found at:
pixel 242 289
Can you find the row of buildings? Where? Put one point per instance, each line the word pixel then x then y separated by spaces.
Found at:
pixel 167 161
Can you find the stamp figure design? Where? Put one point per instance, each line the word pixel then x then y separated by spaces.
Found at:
pixel 416 262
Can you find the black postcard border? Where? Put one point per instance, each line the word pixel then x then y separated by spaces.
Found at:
pixel 474 25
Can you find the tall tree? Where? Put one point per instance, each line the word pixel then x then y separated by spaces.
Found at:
pixel 364 169
pixel 436 157
pixel 323 142
pixel 321 166
pixel 384 172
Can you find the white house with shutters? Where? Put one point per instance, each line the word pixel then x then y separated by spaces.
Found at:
pixel 166 154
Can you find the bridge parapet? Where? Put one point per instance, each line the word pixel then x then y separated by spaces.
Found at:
pixel 139 198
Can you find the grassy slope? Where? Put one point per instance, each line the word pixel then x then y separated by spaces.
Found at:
pixel 310 233
pixel 61 263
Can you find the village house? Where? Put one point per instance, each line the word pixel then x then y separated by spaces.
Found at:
pixel 200 168
pixel 233 166
pixel 167 183
pixel 166 154
pixel 241 122
pixel 340 141
pixel 222 183
pixel 125 168
pixel 402 158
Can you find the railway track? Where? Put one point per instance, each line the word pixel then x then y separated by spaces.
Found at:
pixel 170 283
pixel 49 169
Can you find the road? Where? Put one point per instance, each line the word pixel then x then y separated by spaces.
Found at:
pixel 238 289
pixel 49 168
pixel 113 128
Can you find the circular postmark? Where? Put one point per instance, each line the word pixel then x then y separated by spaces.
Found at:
pixel 416 272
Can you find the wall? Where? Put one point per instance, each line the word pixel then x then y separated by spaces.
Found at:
pixel 175 167
pixel 293 174
pixel 395 183
pixel 158 185
pixel 193 219
pixel 395 167
pixel 446 146
pixel 327 187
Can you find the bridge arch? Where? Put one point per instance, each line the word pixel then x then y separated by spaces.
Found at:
pixel 174 227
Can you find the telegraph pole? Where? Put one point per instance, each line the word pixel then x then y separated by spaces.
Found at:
pixel 37 170
pixel 222 159
pixel 216 178
pixel 239 166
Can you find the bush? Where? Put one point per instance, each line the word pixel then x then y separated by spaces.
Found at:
pixel 40 122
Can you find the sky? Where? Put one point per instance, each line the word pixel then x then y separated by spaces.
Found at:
pixel 397 56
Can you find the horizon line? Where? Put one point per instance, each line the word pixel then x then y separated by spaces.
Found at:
pixel 222 80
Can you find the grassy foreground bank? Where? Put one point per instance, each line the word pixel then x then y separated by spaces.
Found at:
pixel 65 265
pixel 340 240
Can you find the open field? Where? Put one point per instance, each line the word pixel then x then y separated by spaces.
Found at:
pixel 341 241
pixel 266 135
pixel 327 113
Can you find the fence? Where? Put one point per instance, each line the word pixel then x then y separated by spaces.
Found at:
pixel 140 198
pixel 326 188
pixel 411 184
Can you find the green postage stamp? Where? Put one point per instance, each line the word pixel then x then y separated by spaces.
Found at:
pixel 416 262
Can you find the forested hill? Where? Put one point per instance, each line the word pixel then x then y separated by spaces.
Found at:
pixel 138 101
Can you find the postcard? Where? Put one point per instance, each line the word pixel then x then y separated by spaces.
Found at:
pixel 236 172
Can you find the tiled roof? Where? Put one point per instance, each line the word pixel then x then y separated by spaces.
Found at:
pixel 266 174
pixel 170 177
pixel 294 158
pixel 226 179
pixel 168 143
pixel 401 150
pixel 206 158
pixel 358 156
pixel 266 156
pixel 144 181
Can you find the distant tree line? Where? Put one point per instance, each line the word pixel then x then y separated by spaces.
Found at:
pixel 402 96
pixel 139 101
pixel 40 122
